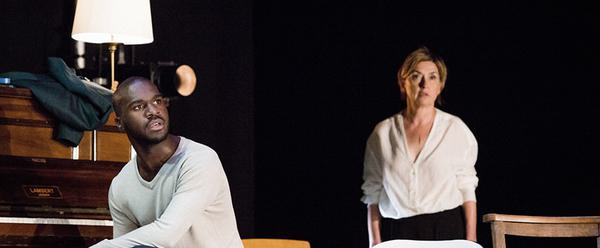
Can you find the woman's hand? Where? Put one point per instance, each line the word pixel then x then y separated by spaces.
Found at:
pixel 374 243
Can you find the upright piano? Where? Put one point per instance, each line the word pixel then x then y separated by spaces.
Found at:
pixel 51 194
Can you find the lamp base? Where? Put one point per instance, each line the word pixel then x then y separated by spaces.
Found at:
pixel 112 48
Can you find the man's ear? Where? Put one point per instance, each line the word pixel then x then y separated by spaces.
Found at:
pixel 118 121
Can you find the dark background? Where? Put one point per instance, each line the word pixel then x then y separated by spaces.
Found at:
pixel 290 90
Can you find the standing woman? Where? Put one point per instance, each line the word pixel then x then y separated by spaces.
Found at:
pixel 419 169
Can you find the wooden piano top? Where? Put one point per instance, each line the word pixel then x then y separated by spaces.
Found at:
pixel 18 104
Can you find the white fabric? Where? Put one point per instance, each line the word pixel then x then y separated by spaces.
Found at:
pixel 442 177
pixel 187 204
pixel 404 243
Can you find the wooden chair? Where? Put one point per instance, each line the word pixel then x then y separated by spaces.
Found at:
pixel 541 226
pixel 275 243
pixel 405 243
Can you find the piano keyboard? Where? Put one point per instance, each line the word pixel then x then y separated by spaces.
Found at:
pixel 55 221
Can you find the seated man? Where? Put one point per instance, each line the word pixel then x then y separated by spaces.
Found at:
pixel 174 193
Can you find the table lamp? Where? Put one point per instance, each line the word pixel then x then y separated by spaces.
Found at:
pixel 112 22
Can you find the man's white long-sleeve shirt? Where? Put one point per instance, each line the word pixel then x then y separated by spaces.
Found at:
pixel 442 177
pixel 187 204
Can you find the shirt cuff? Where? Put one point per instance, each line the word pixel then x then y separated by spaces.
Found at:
pixel 469 195
pixel 370 199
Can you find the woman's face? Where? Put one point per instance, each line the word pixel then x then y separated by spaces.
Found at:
pixel 423 85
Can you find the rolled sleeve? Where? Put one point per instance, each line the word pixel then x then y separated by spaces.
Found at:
pixel 372 177
pixel 467 175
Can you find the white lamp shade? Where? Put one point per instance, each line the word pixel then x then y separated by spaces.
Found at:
pixel 113 21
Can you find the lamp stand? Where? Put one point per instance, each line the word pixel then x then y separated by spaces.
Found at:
pixel 112 47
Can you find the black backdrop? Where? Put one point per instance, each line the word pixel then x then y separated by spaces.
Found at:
pixel 290 90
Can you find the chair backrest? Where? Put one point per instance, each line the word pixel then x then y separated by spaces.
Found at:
pixel 541 226
pixel 405 243
pixel 275 243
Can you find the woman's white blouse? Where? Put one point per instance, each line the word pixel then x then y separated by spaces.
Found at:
pixel 442 177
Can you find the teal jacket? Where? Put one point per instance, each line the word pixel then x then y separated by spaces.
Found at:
pixel 78 105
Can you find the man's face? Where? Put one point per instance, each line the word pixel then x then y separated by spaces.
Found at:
pixel 144 114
